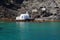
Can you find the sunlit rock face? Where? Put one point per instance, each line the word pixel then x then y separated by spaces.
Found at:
pixel 49 4
pixel 39 3
pixel 52 6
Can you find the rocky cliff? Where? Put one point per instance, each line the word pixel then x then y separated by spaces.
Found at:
pixel 52 8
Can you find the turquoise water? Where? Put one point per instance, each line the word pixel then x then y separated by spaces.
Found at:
pixel 29 31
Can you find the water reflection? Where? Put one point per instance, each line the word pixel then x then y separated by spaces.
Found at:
pixel 22 25
pixel 24 29
pixel 39 31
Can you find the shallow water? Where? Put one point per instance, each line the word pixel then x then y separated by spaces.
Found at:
pixel 29 31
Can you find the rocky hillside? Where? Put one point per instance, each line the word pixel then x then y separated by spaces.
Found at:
pixel 9 8
pixel 52 6
pixel 15 8
pixel 49 4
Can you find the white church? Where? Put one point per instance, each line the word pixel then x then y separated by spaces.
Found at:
pixel 23 16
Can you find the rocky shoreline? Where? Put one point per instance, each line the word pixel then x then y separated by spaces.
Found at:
pixel 51 11
pixel 14 20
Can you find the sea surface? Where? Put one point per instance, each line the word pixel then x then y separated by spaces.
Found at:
pixel 29 31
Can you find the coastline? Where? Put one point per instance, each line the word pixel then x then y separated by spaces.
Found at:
pixel 14 20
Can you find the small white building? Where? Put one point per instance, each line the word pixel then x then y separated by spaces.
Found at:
pixel 23 16
pixel 43 9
